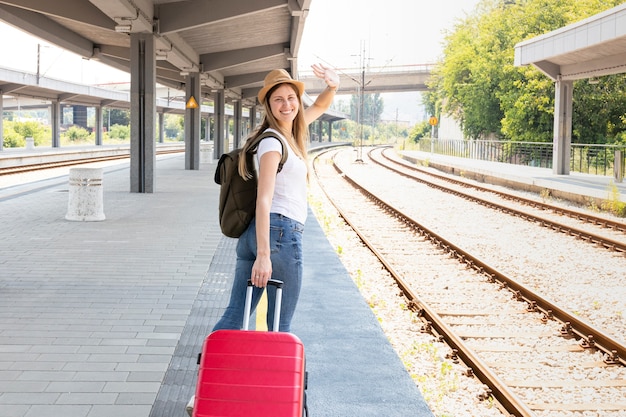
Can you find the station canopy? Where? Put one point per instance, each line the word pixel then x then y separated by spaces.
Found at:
pixel 232 45
pixel 590 48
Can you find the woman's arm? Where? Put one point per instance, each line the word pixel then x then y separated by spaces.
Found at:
pixel 325 99
pixel 262 268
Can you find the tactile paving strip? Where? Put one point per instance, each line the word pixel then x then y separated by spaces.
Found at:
pixel 180 379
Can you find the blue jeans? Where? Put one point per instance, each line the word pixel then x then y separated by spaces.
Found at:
pixel 286 257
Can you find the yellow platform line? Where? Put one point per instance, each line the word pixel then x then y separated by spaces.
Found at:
pixel 261 313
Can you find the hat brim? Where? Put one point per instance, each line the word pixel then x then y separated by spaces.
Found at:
pixel 298 84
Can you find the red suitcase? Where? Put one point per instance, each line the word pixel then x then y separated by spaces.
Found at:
pixel 251 373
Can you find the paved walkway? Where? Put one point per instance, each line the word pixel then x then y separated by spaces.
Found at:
pixel 104 319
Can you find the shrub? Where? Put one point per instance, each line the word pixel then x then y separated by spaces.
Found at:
pixel 12 139
pixel 77 134
pixel 16 132
pixel 119 132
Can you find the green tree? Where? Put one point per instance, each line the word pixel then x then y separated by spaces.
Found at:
pixel 76 134
pixel 420 130
pixel 477 84
pixel 599 110
pixel 121 132
pixel 116 117
pixel 174 127
pixel 373 107
pixel 16 132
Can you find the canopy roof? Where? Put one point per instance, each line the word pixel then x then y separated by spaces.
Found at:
pixel 232 44
pixel 592 47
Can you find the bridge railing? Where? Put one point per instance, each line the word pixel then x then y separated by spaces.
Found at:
pixel 387 69
pixel 584 158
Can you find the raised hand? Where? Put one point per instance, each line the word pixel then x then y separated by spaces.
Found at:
pixel 328 75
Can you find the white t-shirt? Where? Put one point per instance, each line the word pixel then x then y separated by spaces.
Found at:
pixel 290 191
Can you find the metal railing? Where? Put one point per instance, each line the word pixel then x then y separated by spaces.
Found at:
pixel 585 158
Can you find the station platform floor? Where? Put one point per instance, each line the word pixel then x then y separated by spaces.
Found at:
pixel 576 187
pixel 101 319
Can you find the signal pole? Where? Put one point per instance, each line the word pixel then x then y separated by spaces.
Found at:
pixel 360 110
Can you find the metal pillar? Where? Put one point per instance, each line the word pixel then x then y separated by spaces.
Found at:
pixel 320 130
pixel 142 112
pixel 562 126
pixel 55 123
pixel 192 121
pixel 253 120
pixel 220 145
pixel 618 168
pixel 161 122
pixel 207 128
pixel 227 133
pixel 98 126
pixel 237 124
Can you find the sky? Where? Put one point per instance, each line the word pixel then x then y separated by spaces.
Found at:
pixel 350 34
pixel 391 32
pixel 339 33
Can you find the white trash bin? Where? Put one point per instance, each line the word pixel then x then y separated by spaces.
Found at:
pixel 206 152
pixel 30 143
pixel 85 195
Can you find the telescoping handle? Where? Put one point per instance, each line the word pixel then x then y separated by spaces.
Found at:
pixel 279 300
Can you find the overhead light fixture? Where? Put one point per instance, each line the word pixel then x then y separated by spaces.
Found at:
pixel 184 73
pixel 123 28
pixel 161 55
pixel 593 80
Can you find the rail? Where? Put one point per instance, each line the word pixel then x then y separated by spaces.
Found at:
pixel 584 158
pixel 572 327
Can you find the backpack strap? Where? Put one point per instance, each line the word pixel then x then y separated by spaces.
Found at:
pixel 271 133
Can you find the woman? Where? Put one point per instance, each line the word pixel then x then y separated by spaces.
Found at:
pixel 271 247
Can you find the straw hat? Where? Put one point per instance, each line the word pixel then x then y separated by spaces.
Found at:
pixel 279 76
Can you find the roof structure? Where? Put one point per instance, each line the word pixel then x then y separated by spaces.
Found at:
pixel 590 48
pixel 231 44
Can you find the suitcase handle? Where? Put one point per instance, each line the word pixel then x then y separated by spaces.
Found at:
pixel 248 306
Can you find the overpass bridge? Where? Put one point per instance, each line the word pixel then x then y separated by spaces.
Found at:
pixel 389 79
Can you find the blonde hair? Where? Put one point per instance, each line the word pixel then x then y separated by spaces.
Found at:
pixel 298 138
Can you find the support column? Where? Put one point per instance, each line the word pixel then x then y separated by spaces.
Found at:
pixel 253 120
pixel 330 131
pixel 245 124
pixel 142 112
pixel 562 126
pixel 320 130
pixel 207 135
pixel 55 123
pixel 237 124
pixel 161 117
pixel 227 133
pixel 219 146
pixel 98 126
pixel 192 122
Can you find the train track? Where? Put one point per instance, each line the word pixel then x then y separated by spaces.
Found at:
pixel 19 169
pixel 516 341
pixel 442 182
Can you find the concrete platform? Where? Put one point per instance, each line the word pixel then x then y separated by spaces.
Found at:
pixel 106 318
pixel 576 187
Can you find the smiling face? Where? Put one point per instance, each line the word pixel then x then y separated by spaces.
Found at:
pixel 284 104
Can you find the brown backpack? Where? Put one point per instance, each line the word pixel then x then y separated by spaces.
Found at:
pixel 238 195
